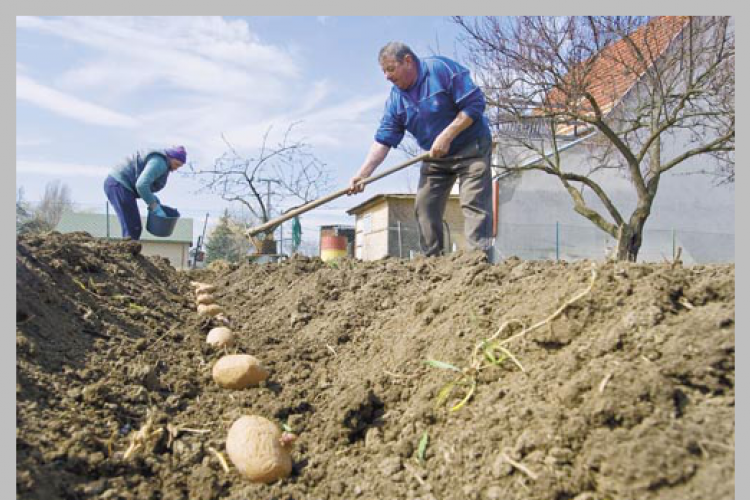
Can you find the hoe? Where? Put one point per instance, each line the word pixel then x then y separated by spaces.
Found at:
pixel 268 227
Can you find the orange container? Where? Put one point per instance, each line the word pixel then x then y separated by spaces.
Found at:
pixel 332 247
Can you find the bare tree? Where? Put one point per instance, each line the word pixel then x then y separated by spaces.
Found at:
pixel 410 149
pixel 626 84
pixel 23 211
pixel 269 182
pixel 55 201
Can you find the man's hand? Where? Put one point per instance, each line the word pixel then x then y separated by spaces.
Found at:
pixel 442 143
pixel 441 146
pixel 355 186
pixel 375 157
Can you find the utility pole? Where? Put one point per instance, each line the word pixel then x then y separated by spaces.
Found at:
pixel 200 242
pixel 268 195
pixel 268 201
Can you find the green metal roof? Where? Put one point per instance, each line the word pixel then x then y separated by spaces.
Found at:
pixel 96 226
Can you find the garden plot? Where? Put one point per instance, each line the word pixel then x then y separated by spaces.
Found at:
pixel 443 378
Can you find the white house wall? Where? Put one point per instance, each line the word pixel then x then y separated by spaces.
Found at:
pixel 687 205
pixel 689 211
pixel 176 253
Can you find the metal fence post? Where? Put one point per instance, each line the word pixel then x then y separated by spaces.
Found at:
pixel 557 241
pixel 400 247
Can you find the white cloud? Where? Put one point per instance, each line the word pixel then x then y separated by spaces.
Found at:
pixel 317 94
pixel 205 55
pixel 341 124
pixel 60 169
pixel 325 126
pixel 203 124
pixel 190 79
pixel 25 142
pixel 28 22
pixel 70 106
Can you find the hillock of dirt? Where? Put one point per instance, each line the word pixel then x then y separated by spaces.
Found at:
pixel 628 393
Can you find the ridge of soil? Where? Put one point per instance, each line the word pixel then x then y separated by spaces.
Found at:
pixel 628 394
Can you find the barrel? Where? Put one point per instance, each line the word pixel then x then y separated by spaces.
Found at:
pixel 332 247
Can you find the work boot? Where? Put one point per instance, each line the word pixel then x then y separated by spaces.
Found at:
pixel 493 255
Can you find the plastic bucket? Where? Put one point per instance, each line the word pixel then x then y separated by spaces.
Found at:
pixel 162 226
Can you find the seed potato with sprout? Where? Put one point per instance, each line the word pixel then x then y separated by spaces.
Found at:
pixel 210 310
pixel 220 336
pixel 214 310
pixel 221 319
pixel 205 288
pixel 238 371
pixel 259 450
pixel 205 298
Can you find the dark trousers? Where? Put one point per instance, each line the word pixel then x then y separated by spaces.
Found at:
pixel 126 208
pixel 471 166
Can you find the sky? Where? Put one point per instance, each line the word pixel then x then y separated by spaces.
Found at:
pixel 92 90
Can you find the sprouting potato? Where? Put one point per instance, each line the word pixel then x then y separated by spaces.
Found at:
pixel 214 310
pixel 210 310
pixel 221 319
pixel 205 298
pixel 220 337
pixel 205 288
pixel 238 371
pixel 255 447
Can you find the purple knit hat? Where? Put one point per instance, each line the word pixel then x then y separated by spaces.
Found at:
pixel 176 152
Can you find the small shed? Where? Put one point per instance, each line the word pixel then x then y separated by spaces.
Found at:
pixel 385 225
pixel 175 248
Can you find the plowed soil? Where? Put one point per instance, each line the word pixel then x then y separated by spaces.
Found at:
pixel 628 393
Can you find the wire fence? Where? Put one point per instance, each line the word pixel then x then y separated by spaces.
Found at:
pixel 557 241
pixel 552 241
pixel 570 242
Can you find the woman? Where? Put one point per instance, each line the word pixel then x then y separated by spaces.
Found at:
pixel 140 176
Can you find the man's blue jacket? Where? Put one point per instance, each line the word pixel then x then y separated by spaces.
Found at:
pixel 442 89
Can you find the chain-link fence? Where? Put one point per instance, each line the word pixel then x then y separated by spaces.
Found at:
pixel 569 242
pixel 528 241
pixel 558 242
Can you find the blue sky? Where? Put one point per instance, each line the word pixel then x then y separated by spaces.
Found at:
pixel 90 91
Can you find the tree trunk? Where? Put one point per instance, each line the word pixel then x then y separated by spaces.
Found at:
pixel 630 241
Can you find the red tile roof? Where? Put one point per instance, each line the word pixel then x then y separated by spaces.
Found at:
pixel 612 72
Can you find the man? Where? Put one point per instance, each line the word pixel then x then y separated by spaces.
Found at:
pixel 140 176
pixel 435 99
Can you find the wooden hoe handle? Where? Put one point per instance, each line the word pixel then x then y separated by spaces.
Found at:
pixel 271 224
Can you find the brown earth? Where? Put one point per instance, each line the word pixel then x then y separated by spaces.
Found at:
pixel 628 394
